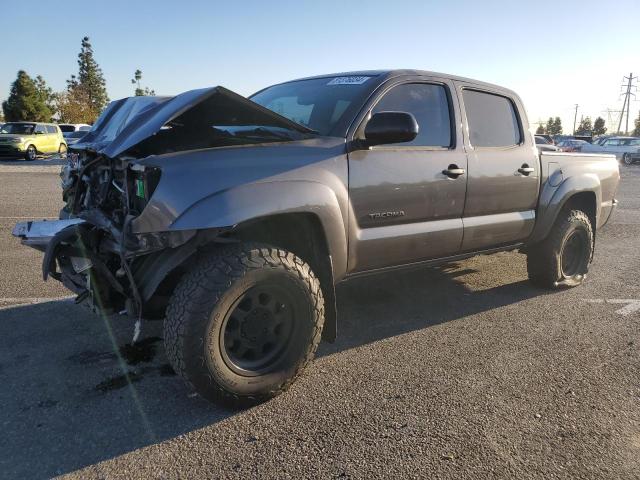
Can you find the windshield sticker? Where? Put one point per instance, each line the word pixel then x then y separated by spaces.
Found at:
pixel 348 80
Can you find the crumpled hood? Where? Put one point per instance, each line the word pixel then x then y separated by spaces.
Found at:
pixel 131 121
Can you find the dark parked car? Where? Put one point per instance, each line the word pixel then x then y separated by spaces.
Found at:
pixel 233 219
pixel 571 145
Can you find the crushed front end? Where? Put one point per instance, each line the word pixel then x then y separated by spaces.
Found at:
pixel 109 180
pixel 91 249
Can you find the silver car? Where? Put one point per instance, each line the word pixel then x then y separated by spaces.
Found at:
pixel 626 149
pixel 543 145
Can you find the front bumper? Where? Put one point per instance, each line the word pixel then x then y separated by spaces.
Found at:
pixel 11 149
pixel 37 234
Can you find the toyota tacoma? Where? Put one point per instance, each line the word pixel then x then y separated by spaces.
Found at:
pixel 232 219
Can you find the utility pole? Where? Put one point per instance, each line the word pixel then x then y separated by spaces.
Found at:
pixel 627 100
pixel 575 117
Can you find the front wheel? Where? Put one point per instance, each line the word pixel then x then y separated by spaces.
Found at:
pixel 626 159
pixel 243 323
pixel 563 258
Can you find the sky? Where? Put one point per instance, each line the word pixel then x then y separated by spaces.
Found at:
pixel 553 54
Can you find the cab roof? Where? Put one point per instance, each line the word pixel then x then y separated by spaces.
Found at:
pixel 384 75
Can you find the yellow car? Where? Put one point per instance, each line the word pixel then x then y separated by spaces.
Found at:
pixel 28 139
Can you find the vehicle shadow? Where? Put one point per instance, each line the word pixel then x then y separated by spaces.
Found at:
pixel 386 305
pixel 76 393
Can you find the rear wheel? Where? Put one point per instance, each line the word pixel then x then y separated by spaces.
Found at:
pixel 562 259
pixel 30 154
pixel 62 150
pixel 626 159
pixel 243 323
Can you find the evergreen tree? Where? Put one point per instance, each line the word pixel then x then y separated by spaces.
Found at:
pixel 46 93
pixel 585 127
pixel 540 130
pixel 557 126
pixel 90 78
pixel 598 127
pixel 25 101
pixel 549 128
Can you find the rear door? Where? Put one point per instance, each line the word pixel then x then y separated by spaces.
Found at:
pixel 503 171
pixel 405 208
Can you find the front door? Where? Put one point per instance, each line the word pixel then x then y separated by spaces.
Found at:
pixel 503 175
pixel 405 209
pixel 41 139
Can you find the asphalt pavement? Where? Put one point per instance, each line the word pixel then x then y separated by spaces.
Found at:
pixel 464 371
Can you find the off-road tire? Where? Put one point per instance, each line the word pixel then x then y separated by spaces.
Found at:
pixel 205 296
pixel 545 260
pixel 30 153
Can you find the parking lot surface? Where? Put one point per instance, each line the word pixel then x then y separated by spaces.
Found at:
pixel 463 371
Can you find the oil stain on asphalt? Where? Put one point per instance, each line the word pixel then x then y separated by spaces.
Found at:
pixel 133 354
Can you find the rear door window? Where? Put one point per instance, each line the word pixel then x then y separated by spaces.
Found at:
pixel 492 120
pixel 51 129
pixel 429 105
pixel 40 129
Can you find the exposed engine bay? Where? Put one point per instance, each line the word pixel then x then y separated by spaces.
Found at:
pixel 92 249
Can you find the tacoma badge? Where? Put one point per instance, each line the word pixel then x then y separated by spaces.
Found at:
pixel 377 215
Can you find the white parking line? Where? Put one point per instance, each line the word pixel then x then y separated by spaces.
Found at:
pixel 632 304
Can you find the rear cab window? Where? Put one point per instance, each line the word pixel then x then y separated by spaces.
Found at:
pixel 492 120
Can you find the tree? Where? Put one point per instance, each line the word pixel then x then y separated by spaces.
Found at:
pixel 46 93
pixel 636 130
pixel 585 127
pixel 549 128
pixel 557 126
pixel 554 126
pixel 540 130
pixel 137 76
pixel 90 78
pixel 74 105
pixel 598 127
pixel 25 101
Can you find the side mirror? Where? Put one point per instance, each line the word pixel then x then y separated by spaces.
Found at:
pixel 390 127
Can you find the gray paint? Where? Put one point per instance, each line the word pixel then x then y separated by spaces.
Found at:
pixel 491 206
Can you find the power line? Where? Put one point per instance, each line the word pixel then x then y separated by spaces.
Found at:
pixel 627 99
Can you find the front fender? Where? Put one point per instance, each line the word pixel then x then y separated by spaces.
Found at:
pixel 248 202
pixel 553 199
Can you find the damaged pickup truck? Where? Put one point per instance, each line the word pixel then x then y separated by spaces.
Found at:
pixel 233 219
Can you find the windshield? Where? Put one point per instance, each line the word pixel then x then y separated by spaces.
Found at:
pixel 18 128
pixel 326 105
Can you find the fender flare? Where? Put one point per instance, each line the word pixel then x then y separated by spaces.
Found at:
pixel 553 199
pixel 244 203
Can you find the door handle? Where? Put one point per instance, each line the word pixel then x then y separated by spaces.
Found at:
pixel 453 171
pixel 526 169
